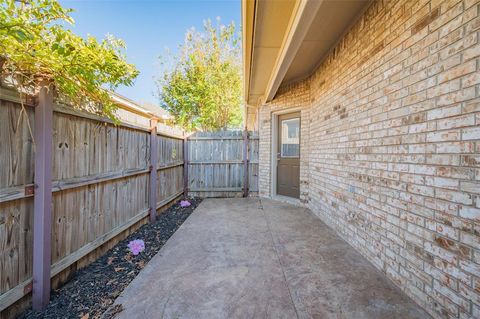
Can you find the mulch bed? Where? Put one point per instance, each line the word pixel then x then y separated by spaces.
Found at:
pixel 94 288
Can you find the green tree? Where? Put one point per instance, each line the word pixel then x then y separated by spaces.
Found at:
pixel 202 88
pixel 37 46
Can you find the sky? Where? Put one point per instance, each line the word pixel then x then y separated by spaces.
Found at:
pixel 148 27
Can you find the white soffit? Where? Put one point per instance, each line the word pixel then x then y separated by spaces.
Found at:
pixel 332 20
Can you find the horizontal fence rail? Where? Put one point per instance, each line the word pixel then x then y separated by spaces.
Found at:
pixel 100 180
pixel 223 164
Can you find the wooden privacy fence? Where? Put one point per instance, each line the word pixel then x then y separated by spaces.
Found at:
pixel 222 164
pixel 99 180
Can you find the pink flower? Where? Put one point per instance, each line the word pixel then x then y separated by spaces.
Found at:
pixel 185 203
pixel 136 246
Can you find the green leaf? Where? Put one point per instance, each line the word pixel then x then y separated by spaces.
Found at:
pixel 40 47
pixel 20 35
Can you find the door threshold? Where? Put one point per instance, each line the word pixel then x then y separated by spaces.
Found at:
pixel 288 200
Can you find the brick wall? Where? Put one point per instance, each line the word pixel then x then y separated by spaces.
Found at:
pixel 391 147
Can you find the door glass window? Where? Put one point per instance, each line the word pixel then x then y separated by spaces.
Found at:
pixel 290 138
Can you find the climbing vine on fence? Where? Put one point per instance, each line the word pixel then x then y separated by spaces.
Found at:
pixel 37 46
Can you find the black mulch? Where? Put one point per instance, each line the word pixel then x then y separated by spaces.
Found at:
pixel 94 288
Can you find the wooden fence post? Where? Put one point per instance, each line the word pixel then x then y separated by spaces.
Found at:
pixel 153 168
pixel 42 219
pixel 245 163
pixel 185 167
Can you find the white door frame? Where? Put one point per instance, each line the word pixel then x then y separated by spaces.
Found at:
pixel 274 150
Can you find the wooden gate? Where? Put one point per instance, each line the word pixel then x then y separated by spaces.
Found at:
pixel 222 163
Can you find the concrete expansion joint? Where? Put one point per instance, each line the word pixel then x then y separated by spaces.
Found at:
pixel 277 256
pixel 260 206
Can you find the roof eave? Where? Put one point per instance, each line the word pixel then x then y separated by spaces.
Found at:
pixel 303 13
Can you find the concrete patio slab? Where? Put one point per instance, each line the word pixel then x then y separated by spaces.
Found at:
pixel 257 258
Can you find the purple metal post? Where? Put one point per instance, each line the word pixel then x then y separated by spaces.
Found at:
pixel 185 167
pixel 153 168
pixel 42 198
pixel 245 163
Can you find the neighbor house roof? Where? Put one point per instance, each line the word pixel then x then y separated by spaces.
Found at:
pixel 146 109
pixel 160 112
pixel 285 40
